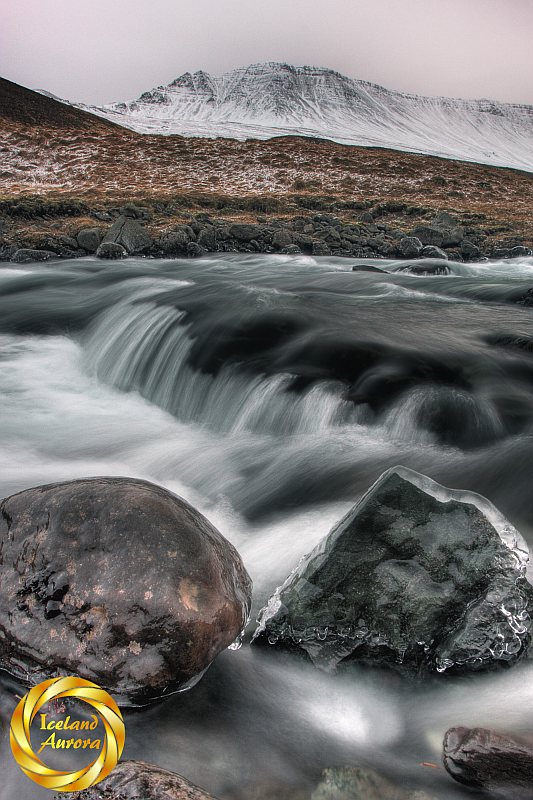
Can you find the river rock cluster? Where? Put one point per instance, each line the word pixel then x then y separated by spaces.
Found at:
pixel 323 234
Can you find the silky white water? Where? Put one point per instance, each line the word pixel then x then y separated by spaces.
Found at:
pixel 270 392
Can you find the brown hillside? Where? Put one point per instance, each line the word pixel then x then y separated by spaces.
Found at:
pixel 21 105
pixel 51 150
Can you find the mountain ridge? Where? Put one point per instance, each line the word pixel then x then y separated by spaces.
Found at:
pixel 262 101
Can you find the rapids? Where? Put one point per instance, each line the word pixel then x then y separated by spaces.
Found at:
pixel 271 391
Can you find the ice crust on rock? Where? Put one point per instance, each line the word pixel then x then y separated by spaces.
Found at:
pixel 415 575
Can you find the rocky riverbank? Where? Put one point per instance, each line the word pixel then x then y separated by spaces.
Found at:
pixel 32 230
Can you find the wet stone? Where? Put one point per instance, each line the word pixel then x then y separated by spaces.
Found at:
pixel 137 780
pixel 485 759
pixel 118 581
pixel 416 577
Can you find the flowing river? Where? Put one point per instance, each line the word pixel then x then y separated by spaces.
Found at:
pixel 270 392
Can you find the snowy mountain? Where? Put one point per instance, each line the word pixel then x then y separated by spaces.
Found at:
pixel 266 100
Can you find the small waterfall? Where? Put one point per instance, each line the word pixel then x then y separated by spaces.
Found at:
pixel 144 347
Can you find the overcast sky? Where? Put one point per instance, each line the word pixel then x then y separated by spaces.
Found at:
pixel 100 51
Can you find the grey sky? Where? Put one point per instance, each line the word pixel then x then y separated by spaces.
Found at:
pixel 99 51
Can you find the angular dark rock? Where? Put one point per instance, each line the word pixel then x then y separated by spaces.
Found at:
pixel 137 780
pixel 451 229
pixel 416 576
pixel 484 759
pixel 116 580
pixel 89 239
pixel 26 255
pixel 470 250
pixel 111 251
pixel 281 239
pixel 410 247
pixel 320 249
pixel 130 234
pixel 244 232
pixel 174 243
pixel 429 235
pixel 194 250
pixel 207 239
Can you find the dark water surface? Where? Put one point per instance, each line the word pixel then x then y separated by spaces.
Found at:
pixel 270 391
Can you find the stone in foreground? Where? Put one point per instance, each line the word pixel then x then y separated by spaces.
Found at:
pixel 415 576
pixel 118 581
pixel 484 759
pixel 137 780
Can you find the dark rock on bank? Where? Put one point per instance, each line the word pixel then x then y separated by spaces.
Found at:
pixel 118 581
pixel 175 242
pixel 137 780
pixel 520 251
pixel 26 255
pixel 410 247
pixel 361 784
pixel 469 250
pixel 129 233
pixel 484 759
pixel 243 232
pixel 89 239
pixel 111 251
pixel 443 231
pixel 430 251
pixel 416 576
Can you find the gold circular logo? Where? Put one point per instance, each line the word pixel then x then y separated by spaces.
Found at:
pixel 54 689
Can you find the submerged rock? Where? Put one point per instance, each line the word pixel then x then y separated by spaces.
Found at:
pixel 137 780
pixel 428 267
pixel 484 759
pixel 116 580
pixel 361 784
pixel 415 576
pixel 367 268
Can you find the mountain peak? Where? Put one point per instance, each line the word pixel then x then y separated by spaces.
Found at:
pixel 275 98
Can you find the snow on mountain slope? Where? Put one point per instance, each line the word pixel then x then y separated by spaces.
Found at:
pixel 266 100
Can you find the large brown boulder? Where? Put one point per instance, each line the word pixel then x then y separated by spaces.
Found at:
pixel 118 581
pixel 137 780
